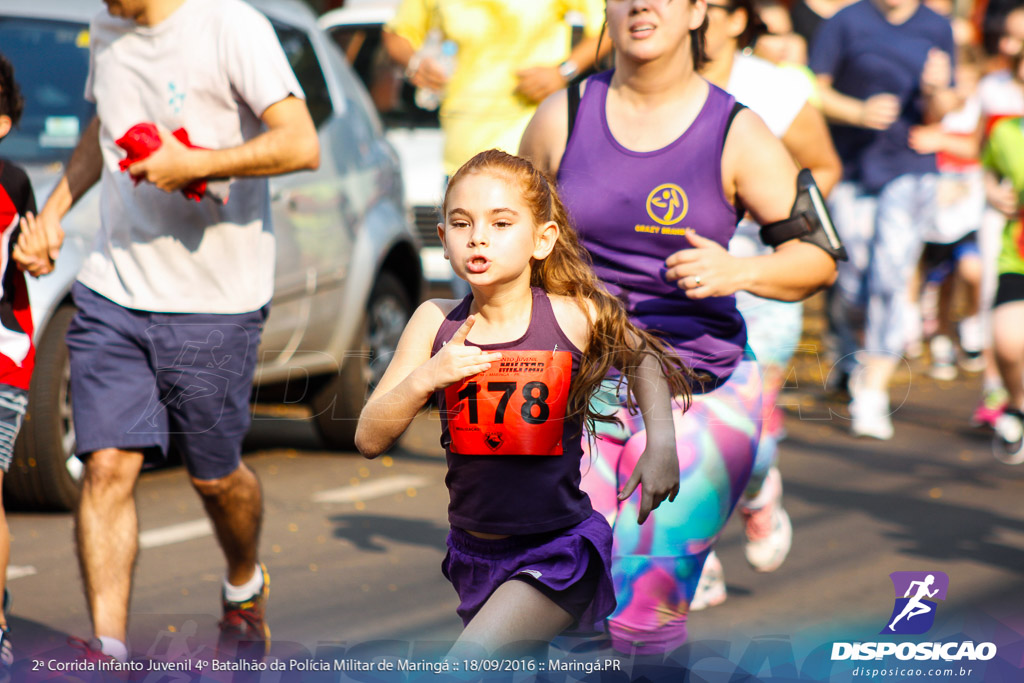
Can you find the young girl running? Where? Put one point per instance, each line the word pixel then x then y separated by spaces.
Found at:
pixel 513 366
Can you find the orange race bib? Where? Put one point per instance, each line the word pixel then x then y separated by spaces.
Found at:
pixel 515 408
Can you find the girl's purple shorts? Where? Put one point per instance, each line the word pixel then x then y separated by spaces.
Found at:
pixel 570 566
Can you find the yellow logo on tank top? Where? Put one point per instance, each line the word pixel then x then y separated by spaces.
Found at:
pixel 667 204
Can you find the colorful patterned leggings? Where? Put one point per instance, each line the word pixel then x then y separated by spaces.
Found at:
pixel 656 566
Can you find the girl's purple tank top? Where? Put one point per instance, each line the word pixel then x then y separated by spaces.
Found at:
pixel 515 493
pixel 631 210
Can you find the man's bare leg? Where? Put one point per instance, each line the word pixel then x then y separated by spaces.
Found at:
pixel 107 533
pixel 235 506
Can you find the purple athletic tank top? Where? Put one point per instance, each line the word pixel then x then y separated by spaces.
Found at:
pixel 494 489
pixel 631 210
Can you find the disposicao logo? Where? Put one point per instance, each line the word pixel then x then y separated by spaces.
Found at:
pixel 913 613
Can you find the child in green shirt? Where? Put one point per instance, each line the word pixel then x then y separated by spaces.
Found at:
pixel 1003 159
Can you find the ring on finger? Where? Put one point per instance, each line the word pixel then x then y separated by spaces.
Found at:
pixel 696 279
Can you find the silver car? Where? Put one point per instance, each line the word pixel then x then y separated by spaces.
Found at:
pixel 348 267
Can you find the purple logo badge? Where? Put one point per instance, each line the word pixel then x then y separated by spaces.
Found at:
pixel 916 592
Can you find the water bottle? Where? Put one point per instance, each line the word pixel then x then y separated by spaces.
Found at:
pixel 444 53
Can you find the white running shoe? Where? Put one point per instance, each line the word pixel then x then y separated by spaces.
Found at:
pixel 769 531
pixel 869 411
pixel 1008 444
pixel 711 587
pixel 943 358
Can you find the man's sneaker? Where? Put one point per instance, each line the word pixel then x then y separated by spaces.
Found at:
pixel 1008 444
pixel 711 587
pixel 943 358
pixel 869 411
pixel 90 651
pixel 243 630
pixel 992 405
pixel 769 531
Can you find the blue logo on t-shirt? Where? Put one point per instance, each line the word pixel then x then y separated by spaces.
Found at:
pixel 176 98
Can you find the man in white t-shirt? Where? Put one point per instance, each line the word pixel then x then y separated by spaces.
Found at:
pixel 173 297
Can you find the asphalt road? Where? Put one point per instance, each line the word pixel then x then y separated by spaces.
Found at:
pixel 354 547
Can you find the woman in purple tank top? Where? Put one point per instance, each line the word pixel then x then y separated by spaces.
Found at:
pixel 527 554
pixel 655 169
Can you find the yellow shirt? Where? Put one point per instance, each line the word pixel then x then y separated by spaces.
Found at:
pixel 496 38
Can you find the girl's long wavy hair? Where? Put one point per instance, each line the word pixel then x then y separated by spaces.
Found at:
pixel 615 342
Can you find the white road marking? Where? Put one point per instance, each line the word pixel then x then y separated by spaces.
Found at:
pixel 371 489
pixel 15 571
pixel 176 533
pixel 198 528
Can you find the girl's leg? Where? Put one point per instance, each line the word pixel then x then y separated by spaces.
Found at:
pixel 943 349
pixel 1008 342
pixel 656 566
pixel 945 312
pixel 969 272
pixel 993 399
pixel 514 620
pixel 972 340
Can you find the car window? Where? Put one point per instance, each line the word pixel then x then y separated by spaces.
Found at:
pixel 307 69
pixel 56 110
pixel 391 94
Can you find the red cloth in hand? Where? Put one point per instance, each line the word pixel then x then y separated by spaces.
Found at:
pixel 143 139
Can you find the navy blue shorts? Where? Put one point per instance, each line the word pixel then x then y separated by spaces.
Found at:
pixel 140 379
pixel 940 260
pixel 570 566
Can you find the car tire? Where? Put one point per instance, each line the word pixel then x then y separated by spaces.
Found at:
pixel 336 406
pixel 45 474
